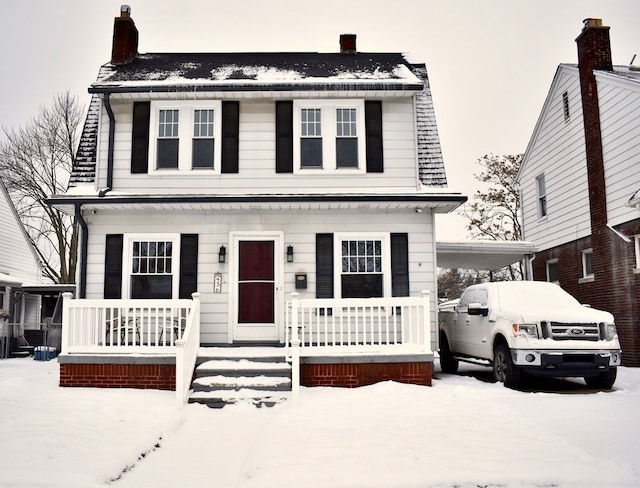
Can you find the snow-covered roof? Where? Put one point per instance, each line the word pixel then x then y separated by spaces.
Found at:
pixel 258 71
pixel 191 72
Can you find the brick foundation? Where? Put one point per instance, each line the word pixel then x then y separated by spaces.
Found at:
pixel 143 376
pixel 361 374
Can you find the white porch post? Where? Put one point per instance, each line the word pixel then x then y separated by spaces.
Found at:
pixel 66 319
pixel 295 351
pixel 426 323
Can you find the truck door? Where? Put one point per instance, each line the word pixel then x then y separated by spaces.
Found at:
pixel 470 328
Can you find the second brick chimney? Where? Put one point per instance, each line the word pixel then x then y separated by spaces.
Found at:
pixel 125 38
pixel 347 43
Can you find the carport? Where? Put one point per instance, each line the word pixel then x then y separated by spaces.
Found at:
pixel 485 255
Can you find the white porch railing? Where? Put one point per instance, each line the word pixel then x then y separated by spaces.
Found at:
pixel 359 324
pixel 124 326
pixel 352 326
pixel 187 353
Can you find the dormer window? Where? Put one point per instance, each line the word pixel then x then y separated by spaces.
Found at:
pixel 329 136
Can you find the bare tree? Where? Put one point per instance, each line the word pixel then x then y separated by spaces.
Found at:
pixel 495 213
pixel 35 163
pixel 453 281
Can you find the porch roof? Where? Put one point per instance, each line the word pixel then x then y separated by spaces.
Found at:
pixel 439 201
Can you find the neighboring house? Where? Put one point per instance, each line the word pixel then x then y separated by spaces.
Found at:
pixel 580 181
pixel 250 178
pixel 19 267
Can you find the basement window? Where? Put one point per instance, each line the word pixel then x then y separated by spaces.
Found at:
pixel 553 271
pixel 587 266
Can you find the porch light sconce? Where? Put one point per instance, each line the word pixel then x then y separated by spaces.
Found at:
pixel 222 254
pixel 289 254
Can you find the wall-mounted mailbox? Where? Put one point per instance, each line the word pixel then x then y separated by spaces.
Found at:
pixel 301 281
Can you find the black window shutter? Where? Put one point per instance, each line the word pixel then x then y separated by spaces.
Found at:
pixel 284 136
pixel 400 265
pixel 113 266
pixel 373 129
pixel 140 137
pixel 188 265
pixel 324 265
pixel 230 132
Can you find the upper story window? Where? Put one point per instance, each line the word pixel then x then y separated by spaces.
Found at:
pixel 329 135
pixel 541 188
pixel 183 135
pixel 553 271
pixel 565 106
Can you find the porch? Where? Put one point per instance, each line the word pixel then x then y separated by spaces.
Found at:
pixel 156 343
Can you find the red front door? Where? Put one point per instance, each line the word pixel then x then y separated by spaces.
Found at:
pixel 256 282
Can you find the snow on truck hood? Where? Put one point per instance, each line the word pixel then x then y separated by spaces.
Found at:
pixel 538 300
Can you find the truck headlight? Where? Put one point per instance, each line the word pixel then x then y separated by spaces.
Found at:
pixel 611 332
pixel 527 330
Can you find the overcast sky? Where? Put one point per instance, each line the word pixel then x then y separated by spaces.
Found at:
pixel 490 62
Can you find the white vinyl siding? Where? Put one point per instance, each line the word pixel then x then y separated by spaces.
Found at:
pixel 257 158
pixel 557 151
pixel 213 229
pixel 620 125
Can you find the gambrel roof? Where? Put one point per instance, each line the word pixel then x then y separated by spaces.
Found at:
pixel 372 73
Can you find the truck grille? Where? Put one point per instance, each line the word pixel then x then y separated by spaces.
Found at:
pixel 560 331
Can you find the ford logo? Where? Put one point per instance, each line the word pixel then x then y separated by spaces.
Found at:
pixel 576 332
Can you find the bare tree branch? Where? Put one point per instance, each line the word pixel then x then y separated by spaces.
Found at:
pixel 35 162
pixel 495 212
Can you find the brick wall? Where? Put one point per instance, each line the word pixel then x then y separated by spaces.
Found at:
pixel 361 374
pixel 144 376
pixel 616 287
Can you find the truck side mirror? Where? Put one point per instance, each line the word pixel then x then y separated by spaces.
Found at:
pixel 477 309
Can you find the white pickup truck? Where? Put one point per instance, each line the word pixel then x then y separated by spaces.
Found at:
pixel 529 327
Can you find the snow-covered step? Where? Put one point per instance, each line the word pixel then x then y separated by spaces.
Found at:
pixel 259 382
pixel 226 375
pixel 241 367
pixel 220 398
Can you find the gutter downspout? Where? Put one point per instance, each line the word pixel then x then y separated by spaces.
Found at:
pixel 84 239
pixel 112 131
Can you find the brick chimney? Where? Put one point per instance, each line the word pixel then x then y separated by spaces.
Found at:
pixel 348 43
pixel 125 38
pixel 594 53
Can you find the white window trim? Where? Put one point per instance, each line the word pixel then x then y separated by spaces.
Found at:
pixel 362 236
pixel 328 115
pixel 127 259
pixel 185 134
pixel 636 246
pixel 551 261
pixel 586 278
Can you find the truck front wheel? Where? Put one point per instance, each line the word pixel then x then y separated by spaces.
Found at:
pixel 604 381
pixel 448 363
pixel 504 370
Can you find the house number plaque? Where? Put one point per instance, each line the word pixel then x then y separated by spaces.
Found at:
pixel 217 282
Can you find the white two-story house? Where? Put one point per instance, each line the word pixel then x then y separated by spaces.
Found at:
pixel 580 181
pixel 272 184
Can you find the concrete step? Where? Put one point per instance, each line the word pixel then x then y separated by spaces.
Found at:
pixel 260 382
pixel 260 376
pixel 242 367
pixel 220 398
